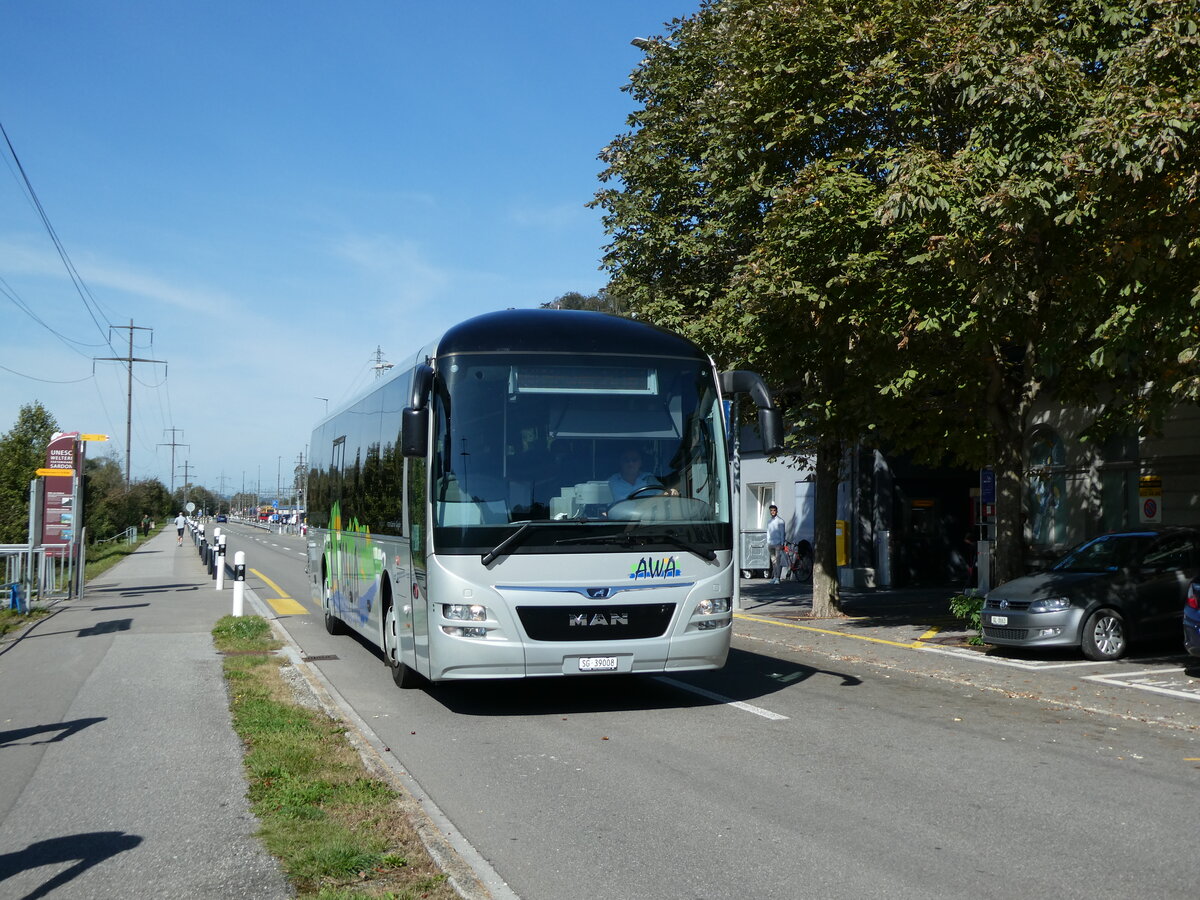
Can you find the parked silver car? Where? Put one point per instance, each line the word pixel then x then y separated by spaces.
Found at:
pixel 1106 592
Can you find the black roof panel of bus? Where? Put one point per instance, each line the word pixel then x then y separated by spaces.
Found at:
pixel 565 331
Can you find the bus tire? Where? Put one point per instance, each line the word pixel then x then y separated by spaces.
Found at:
pixel 404 675
pixel 333 624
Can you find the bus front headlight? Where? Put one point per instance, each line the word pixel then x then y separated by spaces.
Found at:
pixel 708 607
pixel 463 612
pixel 713 613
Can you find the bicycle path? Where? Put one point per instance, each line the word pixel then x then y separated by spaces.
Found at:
pixel 120 773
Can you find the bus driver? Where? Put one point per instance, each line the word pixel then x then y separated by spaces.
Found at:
pixel 630 478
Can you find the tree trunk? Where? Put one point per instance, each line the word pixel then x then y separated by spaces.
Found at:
pixel 826 600
pixel 1008 557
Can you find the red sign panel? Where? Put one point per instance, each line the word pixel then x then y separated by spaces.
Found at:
pixel 59 525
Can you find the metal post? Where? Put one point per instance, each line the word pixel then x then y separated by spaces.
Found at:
pixel 736 490
pixel 239 582
pixel 221 563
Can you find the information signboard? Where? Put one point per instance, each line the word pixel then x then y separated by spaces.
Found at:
pixel 59 525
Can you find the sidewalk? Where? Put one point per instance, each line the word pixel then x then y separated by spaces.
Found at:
pixel 911 630
pixel 121 774
pixel 901 615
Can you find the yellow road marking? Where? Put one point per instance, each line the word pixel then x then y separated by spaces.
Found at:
pixel 914 645
pixel 283 604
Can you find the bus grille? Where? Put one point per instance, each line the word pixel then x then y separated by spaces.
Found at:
pixel 596 623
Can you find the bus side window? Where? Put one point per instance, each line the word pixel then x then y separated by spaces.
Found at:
pixel 415 495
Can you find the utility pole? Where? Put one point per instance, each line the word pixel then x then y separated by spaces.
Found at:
pixel 129 361
pixel 380 366
pixel 186 481
pixel 298 481
pixel 173 445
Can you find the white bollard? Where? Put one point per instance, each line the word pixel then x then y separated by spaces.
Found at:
pixel 221 563
pixel 239 582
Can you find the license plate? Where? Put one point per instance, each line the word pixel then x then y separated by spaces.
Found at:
pixel 597 664
pixel 999 620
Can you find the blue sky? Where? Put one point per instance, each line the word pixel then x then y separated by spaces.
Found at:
pixel 279 189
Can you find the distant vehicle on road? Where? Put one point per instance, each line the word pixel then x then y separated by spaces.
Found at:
pixel 1104 593
pixel 220 517
pixel 1191 619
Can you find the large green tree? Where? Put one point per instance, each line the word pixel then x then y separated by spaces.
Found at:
pixel 110 506
pixel 918 216
pixel 22 453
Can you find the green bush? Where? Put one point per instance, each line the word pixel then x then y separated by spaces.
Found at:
pixel 969 610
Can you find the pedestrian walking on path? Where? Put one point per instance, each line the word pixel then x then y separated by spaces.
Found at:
pixel 180 524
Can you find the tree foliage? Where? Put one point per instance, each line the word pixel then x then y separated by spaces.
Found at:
pixel 916 217
pixel 109 508
pixel 601 301
pixel 22 453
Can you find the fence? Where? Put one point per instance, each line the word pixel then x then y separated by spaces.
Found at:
pixel 36 574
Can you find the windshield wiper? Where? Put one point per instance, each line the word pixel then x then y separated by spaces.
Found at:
pixel 508 543
pixel 641 538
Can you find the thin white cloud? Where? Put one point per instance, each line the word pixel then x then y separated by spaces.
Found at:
pixel 397 266
pixel 551 218
pixel 19 258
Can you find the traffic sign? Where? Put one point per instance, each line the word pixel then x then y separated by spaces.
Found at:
pixel 987 485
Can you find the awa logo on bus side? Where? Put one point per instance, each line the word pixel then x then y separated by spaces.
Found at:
pixel 645 567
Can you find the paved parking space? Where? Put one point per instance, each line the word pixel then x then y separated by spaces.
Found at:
pixel 1170 682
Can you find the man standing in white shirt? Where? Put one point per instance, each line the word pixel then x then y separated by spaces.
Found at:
pixel 776 536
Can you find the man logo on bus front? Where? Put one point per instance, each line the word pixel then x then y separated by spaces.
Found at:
pixel 612 618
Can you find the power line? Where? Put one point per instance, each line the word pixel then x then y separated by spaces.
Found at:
pixel 8 291
pixel 89 302
pixel 44 380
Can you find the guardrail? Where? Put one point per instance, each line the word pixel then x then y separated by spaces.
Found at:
pixel 32 575
pixel 129 535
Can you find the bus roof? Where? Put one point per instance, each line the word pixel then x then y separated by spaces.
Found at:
pixel 566 331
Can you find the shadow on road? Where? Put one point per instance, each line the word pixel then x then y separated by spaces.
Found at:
pixel 16 736
pixel 85 850
pixel 746 677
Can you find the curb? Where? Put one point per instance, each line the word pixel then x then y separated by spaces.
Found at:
pixel 471 876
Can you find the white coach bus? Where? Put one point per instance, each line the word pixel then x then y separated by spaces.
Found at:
pixel 541 492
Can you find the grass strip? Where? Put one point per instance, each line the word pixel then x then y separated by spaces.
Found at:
pixel 11 620
pixel 338 832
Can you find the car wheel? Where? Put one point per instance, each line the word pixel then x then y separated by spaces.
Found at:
pixel 1104 635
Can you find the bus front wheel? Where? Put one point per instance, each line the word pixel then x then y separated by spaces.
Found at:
pixel 404 676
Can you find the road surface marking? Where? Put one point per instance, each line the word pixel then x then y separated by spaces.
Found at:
pixel 728 701
pixel 914 645
pixel 1157 681
pixel 283 604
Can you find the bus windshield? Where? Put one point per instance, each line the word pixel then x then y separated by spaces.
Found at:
pixel 575 451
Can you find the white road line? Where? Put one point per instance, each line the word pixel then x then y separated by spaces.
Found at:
pixel 1119 680
pixel 729 701
pixel 1031 666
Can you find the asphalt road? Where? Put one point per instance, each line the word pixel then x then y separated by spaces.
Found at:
pixel 803 769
